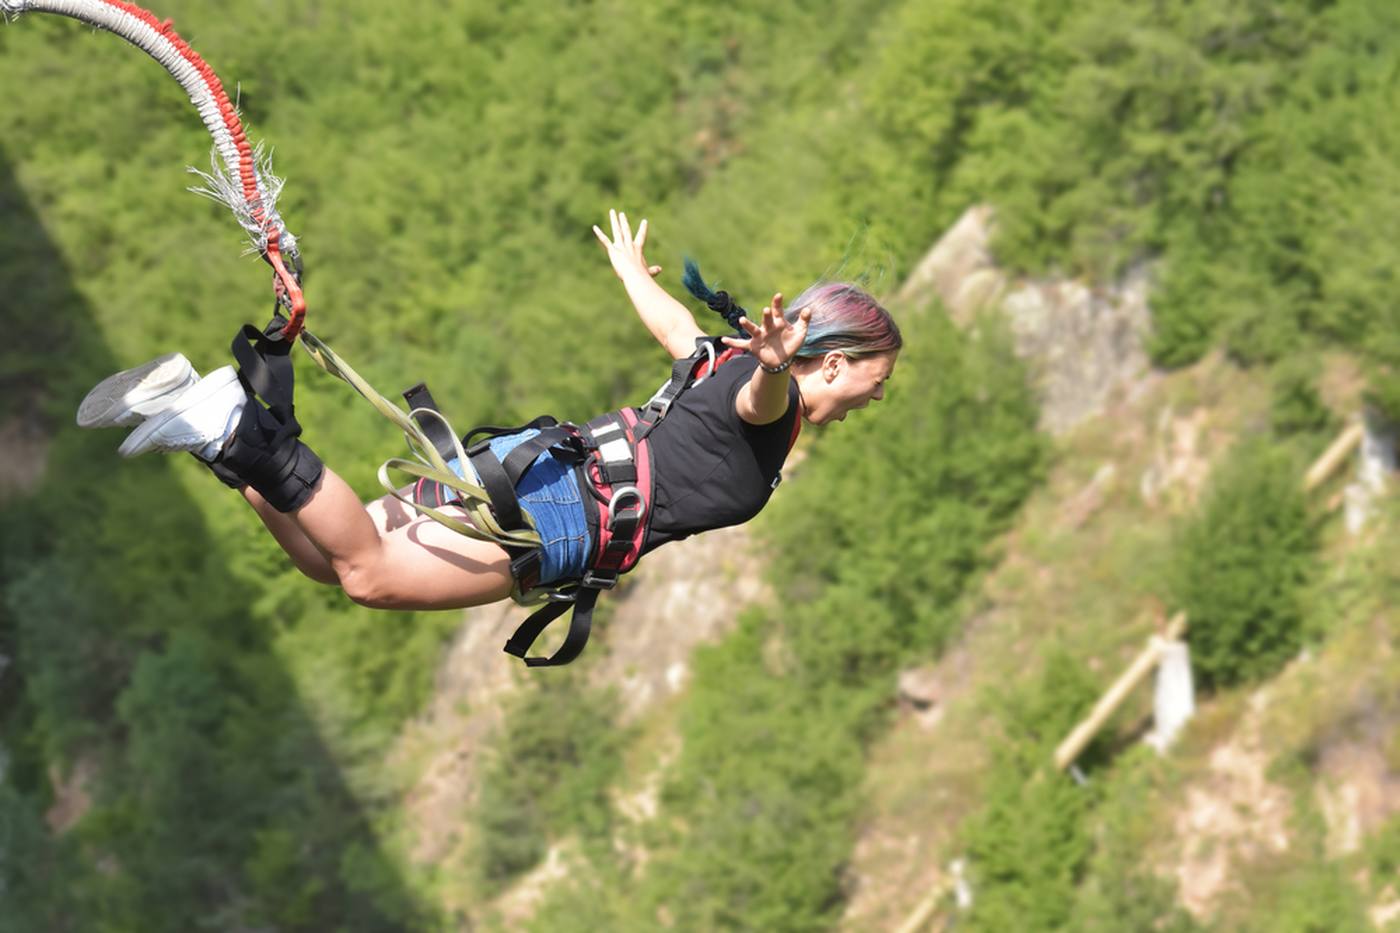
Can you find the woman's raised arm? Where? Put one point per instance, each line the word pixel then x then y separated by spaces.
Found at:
pixel 669 321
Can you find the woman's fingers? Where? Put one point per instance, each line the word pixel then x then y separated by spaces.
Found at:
pixel 654 270
pixel 773 320
pixel 622 237
pixel 804 317
pixel 619 222
pixel 602 237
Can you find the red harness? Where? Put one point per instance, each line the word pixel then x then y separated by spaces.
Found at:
pixel 614 460
pixel 616 553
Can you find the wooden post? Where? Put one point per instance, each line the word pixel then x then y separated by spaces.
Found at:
pixel 1334 455
pixel 1108 704
pixel 924 912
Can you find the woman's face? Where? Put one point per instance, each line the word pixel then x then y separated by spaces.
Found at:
pixel 841 385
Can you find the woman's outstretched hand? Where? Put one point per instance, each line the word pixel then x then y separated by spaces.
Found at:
pixel 625 250
pixel 774 341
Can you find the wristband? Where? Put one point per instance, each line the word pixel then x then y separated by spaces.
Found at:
pixel 780 368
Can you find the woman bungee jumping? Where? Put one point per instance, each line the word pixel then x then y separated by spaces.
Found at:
pixel 546 513
pixel 571 506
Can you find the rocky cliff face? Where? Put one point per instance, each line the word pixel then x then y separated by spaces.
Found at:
pixel 1083 345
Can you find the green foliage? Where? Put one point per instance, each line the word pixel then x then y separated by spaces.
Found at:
pixel 763 797
pixel 891 520
pixel 1123 889
pixel 38 871
pixel 1315 897
pixel 878 535
pixel 1383 851
pixel 1297 407
pixel 444 169
pixel 1029 845
pixel 1241 144
pixel 1240 566
pixel 597 900
pixel 548 778
pixel 277 856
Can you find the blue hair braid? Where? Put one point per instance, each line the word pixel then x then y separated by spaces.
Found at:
pixel 719 302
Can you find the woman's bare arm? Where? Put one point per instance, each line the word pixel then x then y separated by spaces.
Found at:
pixel 669 321
pixel 764 399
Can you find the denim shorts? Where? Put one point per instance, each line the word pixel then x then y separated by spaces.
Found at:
pixel 549 494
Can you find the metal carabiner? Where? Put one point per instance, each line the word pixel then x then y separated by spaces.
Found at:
pixel 710 360
pixel 619 493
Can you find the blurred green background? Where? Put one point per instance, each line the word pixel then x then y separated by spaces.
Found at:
pixel 228 720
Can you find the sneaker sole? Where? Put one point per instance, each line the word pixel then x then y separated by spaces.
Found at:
pixel 139 440
pixel 114 401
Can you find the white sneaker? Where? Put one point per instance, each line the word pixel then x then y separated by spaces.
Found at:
pixel 198 420
pixel 126 397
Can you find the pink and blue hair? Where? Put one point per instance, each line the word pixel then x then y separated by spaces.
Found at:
pixel 845 318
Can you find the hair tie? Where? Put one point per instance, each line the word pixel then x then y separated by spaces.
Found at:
pixel 720 302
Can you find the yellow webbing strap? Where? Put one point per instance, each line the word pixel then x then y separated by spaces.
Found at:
pixel 428 464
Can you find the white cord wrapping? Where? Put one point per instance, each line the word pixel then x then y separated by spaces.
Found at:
pixel 223 182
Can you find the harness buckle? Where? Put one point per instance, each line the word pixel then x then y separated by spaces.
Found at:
pixel 593 581
pixel 660 403
pixel 620 493
pixel 525 568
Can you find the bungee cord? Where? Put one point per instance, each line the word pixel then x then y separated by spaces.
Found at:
pixel 240 175
pixel 241 178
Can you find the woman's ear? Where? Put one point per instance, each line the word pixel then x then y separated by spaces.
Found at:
pixel 832 362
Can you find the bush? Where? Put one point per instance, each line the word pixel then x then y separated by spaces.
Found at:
pixel 1297 407
pixel 1125 888
pixel 553 762
pixel 1316 897
pixel 1239 567
pixel 1029 845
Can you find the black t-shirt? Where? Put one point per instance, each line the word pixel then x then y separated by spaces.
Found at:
pixel 712 469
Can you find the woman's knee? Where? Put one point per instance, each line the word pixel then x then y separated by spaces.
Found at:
pixel 365 587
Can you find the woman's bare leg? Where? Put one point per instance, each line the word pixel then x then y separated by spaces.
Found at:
pixel 383 556
pixel 386 512
pixel 305 555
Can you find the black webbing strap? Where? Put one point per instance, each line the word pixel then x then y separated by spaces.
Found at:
pixel 265 369
pixel 492 430
pixel 680 375
pixel 527 452
pixel 577 637
pixel 499 487
pixel 435 428
pixel 265 364
pixel 681 372
pixel 500 477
